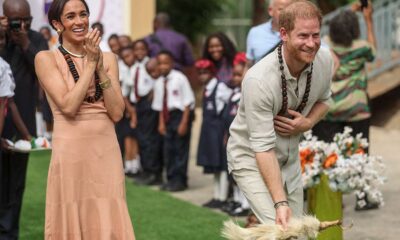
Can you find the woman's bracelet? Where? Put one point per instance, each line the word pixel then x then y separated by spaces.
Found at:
pixel 105 84
pixel 281 203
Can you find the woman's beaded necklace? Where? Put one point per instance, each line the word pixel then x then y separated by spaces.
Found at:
pixel 98 93
pixel 300 108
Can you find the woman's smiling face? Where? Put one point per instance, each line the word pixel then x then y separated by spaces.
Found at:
pixel 215 49
pixel 75 21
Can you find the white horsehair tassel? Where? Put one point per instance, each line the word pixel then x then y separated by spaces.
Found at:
pixel 306 226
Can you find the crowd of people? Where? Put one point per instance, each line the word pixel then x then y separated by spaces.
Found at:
pixel 154 129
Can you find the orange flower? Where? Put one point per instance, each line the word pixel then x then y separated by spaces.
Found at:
pixel 360 150
pixel 330 160
pixel 306 157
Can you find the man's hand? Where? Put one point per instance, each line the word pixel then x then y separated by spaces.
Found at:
pixel 20 37
pixel 283 215
pixel 4 23
pixel 367 11
pixel 4 145
pixel 287 127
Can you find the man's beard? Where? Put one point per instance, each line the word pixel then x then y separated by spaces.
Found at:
pixel 300 55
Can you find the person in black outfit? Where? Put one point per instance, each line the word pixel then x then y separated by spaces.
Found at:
pixel 23 44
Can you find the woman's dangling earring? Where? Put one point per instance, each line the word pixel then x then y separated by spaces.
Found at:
pixel 59 31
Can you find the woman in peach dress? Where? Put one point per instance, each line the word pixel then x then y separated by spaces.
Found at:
pixel 86 186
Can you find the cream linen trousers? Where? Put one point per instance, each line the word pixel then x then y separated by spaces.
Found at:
pixel 254 189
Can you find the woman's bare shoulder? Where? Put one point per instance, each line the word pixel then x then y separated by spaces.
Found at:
pixel 44 56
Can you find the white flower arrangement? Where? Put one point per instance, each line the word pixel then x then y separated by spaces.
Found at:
pixel 344 161
pixel 311 156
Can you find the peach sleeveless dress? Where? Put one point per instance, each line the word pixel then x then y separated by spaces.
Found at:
pixel 86 185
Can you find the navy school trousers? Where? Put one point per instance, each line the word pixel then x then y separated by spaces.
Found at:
pixel 150 141
pixel 176 148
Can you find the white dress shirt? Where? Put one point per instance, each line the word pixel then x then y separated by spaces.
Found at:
pixel 221 96
pixel 179 92
pixel 145 81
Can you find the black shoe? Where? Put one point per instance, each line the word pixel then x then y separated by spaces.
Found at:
pixel 141 175
pixel 176 187
pixel 239 212
pixel 230 206
pixel 164 186
pixel 366 207
pixel 133 175
pixel 213 203
pixel 150 180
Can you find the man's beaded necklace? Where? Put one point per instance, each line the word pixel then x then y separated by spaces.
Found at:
pixel 300 108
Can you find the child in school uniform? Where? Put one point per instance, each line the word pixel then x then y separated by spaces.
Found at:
pixel 121 125
pixel 129 76
pixel 140 97
pixel 149 138
pixel 174 99
pixel 239 206
pixel 211 154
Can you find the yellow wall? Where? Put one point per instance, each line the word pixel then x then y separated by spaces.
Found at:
pixel 139 17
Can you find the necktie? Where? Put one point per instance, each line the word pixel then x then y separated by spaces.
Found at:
pixel 136 87
pixel 165 103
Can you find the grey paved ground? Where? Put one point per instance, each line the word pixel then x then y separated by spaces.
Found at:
pixel 381 224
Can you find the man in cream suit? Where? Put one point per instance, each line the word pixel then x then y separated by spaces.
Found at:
pixel 284 94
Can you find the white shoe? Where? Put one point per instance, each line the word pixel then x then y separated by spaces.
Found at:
pixel 135 166
pixel 128 165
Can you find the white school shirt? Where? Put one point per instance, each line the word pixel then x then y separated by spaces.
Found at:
pixel 221 96
pixel 236 94
pixel 7 83
pixel 104 46
pixel 180 93
pixel 121 69
pixel 156 81
pixel 145 81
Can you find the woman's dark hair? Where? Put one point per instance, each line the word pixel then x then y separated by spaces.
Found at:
pixel 229 50
pixel 344 28
pixel 146 45
pixel 56 9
